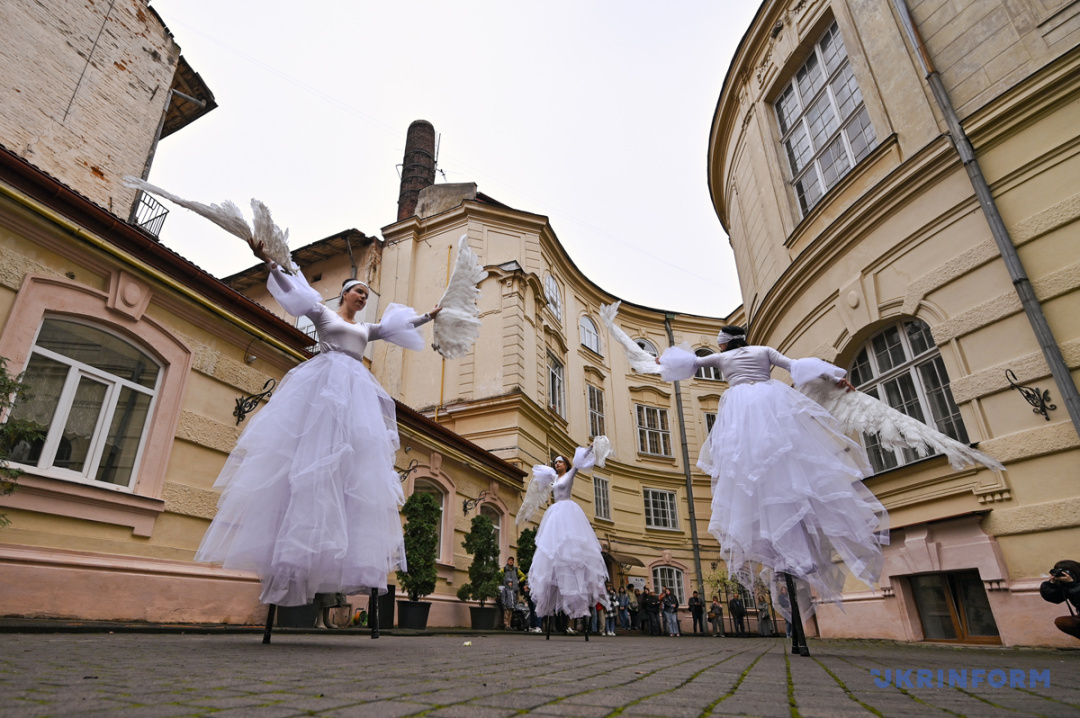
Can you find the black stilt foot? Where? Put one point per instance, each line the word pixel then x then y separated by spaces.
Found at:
pixel 586 629
pixel 269 622
pixel 798 636
pixel 373 613
pixel 549 620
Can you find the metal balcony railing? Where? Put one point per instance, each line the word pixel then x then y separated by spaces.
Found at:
pixel 148 213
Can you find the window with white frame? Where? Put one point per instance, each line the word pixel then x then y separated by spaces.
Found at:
pixel 553 296
pixel 648 346
pixel 590 337
pixel 661 510
pixel 595 397
pixel 707 372
pixel 602 497
pixel 654 436
pixel 824 125
pixel 93 394
pixel 428 487
pixel 556 386
pixel 496 521
pixel 669 577
pixel 710 421
pixel 902 366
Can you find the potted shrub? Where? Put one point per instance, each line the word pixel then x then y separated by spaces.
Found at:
pixel 421 512
pixel 484 573
pixel 14 432
pixel 526 547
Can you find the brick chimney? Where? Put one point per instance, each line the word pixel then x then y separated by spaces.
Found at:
pixel 418 167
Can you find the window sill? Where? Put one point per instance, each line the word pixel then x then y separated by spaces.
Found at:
pixel 90 503
pixel 664 529
pixel 657 458
pixel 445 571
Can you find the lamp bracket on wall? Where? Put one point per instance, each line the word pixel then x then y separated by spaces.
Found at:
pixel 1038 399
pixel 470 504
pixel 404 473
pixel 246 404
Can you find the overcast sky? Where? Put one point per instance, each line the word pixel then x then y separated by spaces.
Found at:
pixel 595 114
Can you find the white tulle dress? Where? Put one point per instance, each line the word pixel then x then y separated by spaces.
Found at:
pixel 787 483
pixel 568 573
pixel 310 500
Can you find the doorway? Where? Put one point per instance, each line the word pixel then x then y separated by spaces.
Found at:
pixel 953 608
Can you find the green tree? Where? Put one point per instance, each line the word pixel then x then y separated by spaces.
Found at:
pixel 526 547
pixel 422 513
pixel 13 432
pixel 484 571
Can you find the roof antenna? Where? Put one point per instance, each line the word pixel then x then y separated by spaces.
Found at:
pixel 438 144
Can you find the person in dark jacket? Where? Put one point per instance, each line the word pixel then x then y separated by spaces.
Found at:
pixel 738 613
pixel 651 609
pixel 670 603
pixel 697 612
pixel 1064 587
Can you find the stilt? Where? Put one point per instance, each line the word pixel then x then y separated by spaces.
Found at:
pixel 798 637
pixel 549 620
pixel 373 613
pixel 586 621
pixel 269 622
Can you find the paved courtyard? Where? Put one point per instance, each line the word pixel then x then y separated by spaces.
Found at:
pixel 338 674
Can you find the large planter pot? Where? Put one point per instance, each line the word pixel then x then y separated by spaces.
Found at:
pixel 413 614
pixel 484 618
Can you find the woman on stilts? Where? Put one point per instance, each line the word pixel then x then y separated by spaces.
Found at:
pixel 787 480
pixel 310 496
pixel 568 574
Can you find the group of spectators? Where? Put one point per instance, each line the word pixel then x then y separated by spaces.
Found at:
pixel 632 609
pixel 657 614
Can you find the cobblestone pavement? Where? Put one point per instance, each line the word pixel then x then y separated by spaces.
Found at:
pixel 99 674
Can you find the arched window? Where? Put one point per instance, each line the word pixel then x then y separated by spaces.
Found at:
pixel 93 395
pixel 424 486
pixel 669 577
pixel 590 337
pixel 902 366
pixel 553 296
pixel 647 346
pixel 706 372
pixel 496 521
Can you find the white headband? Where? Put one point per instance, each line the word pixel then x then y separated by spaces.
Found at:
pixel 724 337
pixel 352 283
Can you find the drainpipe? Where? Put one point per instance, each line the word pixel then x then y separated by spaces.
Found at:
pixel 686 466
pixel 1050 349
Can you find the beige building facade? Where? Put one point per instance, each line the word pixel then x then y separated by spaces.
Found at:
pixel 859 239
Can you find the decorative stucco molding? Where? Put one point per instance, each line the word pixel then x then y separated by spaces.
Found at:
pixel 1038 224
pixel 1045 516
pixel 1040 441
pixel 206 432
pixel 14 266
pixel 190 500
pixel 215 364
pixel 1027 368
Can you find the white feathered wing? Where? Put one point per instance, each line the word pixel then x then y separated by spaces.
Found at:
pixel 859 412
pixel 228 216
pixel 537 494
pixel 640 360
pixel 458 325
